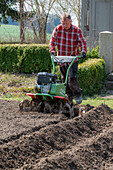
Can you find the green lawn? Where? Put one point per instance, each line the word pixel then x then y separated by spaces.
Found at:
pixel 96 102
pixel 11 33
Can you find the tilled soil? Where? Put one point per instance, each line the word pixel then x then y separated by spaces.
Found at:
pixel 31 140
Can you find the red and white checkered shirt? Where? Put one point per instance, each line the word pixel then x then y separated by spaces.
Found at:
pixel 67 42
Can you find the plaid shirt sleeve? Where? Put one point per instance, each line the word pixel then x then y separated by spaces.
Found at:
pixel 53 40
pixel 81 43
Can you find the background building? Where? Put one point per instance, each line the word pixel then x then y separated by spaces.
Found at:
pixel 96 16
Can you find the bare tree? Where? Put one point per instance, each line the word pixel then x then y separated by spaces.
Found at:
pixel 22 21
pixel 36 14
pixel 37 17
pixel 73 7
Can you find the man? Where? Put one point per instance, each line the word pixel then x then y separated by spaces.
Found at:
pixel 68 38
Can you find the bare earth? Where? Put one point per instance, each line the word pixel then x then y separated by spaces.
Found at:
pixel 54 142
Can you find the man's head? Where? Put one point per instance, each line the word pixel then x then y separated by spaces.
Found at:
pixel 66 21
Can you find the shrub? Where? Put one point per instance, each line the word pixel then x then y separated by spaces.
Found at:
pixel 25 58
pixel 91 54
pixel 91 76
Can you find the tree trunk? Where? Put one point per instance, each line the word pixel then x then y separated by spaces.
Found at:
pixel 22 38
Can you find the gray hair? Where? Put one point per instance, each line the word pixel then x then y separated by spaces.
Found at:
pixel 64 16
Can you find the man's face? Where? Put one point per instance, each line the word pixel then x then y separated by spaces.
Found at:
pixel 66 24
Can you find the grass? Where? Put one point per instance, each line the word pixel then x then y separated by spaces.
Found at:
pixel 11 33
pixel 15 87
pixel 97 101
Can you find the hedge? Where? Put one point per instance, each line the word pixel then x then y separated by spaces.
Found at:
pixel 91 76
pixel 32 58
pixel 24 58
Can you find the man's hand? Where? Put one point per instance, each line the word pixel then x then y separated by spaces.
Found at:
pixel 52 54
pixel 83 56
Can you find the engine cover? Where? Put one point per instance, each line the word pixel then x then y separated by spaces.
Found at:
pixel 42 88
pixel 45 78
pixel 58 89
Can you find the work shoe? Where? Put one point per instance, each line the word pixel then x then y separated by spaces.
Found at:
pixel 78 100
